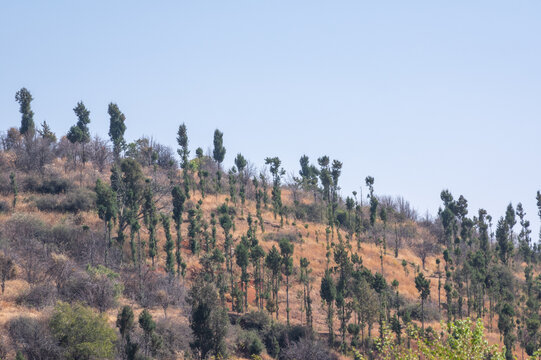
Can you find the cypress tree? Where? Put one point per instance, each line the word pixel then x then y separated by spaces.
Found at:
pixel 168 247
pixel 182 140
pixel 178 208
pixel 117 127
pixel 24 98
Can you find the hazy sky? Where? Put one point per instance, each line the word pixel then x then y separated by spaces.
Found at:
pixel 421 95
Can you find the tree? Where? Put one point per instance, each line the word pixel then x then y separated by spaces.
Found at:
pixel 82 333
pixel 168 247
pixel 107 210
pixel 127 182
pixel 305 281
pixel 79 132
pixel 240 163
pixel 124 323
pixel 46 132
pixel 208 320
pixel 505 244
pixel 116 129
pixel 182 140
pixel 24 98
pixel 277 173
pixel 152 341
pixel 219 150
pixel 273 262
pixel 14 188
pixel 422 285
pixel 178 208
pixel 242 253
pixel 151 219
pixel 373 200
pixel 286 251
pixel 7 270
pixel 538 198
pixel 328 294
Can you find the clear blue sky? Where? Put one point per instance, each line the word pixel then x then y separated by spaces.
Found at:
pixel 421 95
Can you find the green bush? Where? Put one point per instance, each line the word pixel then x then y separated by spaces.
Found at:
pixel 249 343
pixel 81 333
pixel 255 320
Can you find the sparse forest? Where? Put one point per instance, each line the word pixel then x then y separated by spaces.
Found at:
pixel 127 249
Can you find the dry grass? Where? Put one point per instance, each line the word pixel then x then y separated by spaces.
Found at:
pixel 310 248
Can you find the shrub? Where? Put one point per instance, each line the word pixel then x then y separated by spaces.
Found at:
pixel 77 200
pixel 249 343
pixel 98 291
pixel 431 311
pixel 255 320
pixel 38 296
pixel 47 203
pixel 292 236
pixel 81 333
pixel 33 338
pixel 176 338
pixel 54 185
pixel 307 349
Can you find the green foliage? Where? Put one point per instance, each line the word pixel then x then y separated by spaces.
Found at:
pixel 80 133
pixel 208 321
pixel 218 152
pixel 82 333
pixel 24 98
pixel 124 321
pixel 117 129
pixel 249 343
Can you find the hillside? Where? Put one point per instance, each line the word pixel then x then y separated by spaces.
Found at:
pixel 376 254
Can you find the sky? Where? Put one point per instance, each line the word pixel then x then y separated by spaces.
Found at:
pixel 421 95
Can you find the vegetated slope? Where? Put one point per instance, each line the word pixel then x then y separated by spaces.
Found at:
pixel 85 229
pixel 308 237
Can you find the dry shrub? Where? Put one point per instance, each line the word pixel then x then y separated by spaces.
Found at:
pixel 33 338
pixel 38 296
pixel 176 338
pixel 307 349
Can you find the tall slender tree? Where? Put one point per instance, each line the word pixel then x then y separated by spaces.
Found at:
pixel 107 211
pixel 24 98
pixel 178 208
pixel 79 133
pixel 286 251
pixel 422 285
pixel 277 173
pixel 182 140
pixel 117 127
